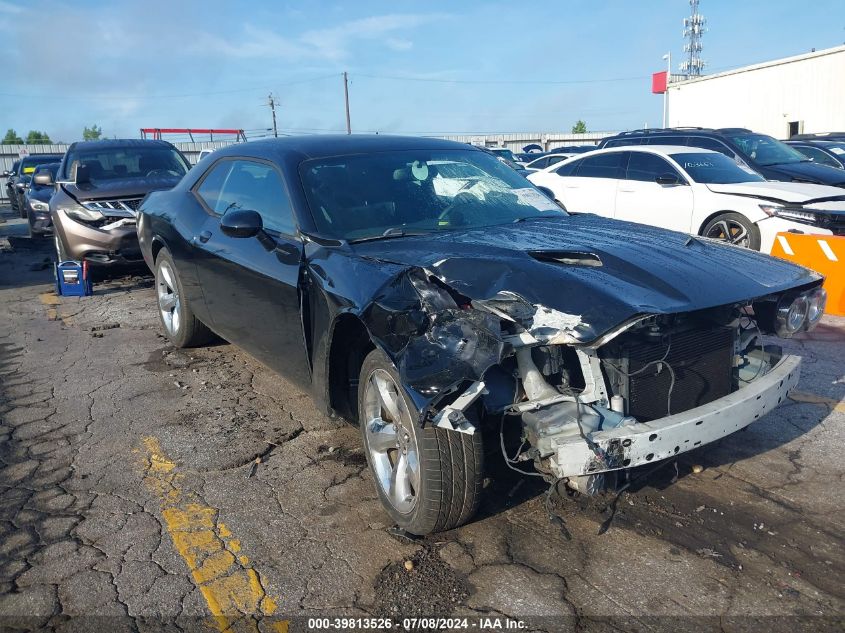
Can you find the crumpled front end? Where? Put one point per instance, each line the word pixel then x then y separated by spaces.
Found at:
pixel 586 402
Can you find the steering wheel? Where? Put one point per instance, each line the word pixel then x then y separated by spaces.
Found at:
pixel 460 200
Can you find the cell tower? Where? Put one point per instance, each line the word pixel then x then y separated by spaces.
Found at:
pixel 694 28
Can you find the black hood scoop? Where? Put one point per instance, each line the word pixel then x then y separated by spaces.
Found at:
pixel 568 258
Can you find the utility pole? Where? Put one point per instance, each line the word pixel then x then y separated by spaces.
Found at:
pixel 273 110
pixel 694 27
pixel 668 57
pixel 346 98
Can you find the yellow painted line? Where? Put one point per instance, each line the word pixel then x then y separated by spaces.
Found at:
pixel 231 586
pixel 811 398
pixel 52 302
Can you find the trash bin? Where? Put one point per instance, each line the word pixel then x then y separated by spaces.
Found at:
pixel 73 279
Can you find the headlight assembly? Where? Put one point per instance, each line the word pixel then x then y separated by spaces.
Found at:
pixel 81 214
pixel 39 206
pixel 791 315
pixel 790 213
pixel 816 303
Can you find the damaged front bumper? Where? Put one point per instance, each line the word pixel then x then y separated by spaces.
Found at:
pixel 649 442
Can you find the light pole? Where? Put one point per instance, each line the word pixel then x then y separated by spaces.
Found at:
pixel 668 57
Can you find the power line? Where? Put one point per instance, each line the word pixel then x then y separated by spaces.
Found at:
pixel 502 81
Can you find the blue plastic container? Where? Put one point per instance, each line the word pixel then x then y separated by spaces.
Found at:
pixel 73 279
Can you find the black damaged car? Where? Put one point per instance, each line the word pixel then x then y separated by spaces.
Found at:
pixel 428 307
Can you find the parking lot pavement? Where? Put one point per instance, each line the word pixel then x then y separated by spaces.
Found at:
pixel 140 480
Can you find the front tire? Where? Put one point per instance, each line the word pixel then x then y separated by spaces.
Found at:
pixel 428 479
pixel 733 228
pixel 180 325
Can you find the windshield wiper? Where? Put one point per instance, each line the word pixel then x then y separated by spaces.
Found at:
pixel 555 216
pixel 390 233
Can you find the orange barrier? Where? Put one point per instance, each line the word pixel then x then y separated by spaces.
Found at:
pixel 823 253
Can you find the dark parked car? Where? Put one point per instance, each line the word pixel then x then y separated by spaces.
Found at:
pixel 23 177
pixel 826 152
pixel 10 176
pixel 100 185
pixel 772 159
pixel 37 201
pixel 435 315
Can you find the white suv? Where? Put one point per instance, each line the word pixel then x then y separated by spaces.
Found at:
pixel 694 191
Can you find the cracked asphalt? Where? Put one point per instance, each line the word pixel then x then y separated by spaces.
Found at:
pixel 147 488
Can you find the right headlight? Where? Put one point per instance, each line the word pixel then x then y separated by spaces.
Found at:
pixel 791 315
pixel 790 213
pixel 81 214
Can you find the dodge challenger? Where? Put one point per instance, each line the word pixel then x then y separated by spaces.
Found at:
pixel 433 296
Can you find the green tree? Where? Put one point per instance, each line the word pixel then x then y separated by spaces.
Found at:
pixel 12 138
pixel 92 133
pixel 37 138
pixel 580 127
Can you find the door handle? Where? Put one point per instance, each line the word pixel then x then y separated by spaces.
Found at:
pixel 626 190
pixel 203 237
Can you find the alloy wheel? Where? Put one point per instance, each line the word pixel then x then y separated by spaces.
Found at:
pixel 730 231
pixel 391 442
pixel 168 298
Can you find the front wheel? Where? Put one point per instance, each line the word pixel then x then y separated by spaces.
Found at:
pixel 428 479
pixel 733 228
pixel 180 325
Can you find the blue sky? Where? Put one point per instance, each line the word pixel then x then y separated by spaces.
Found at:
pixel 414 67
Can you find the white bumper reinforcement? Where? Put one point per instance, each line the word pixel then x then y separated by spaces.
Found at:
pixel 649 442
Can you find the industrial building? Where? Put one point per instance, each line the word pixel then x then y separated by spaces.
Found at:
pixel 794 95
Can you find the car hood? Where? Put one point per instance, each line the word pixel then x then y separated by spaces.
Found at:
pixel 807 171
pixel 604 272
pixel 42 195
pixel 800 192
pixel 110 189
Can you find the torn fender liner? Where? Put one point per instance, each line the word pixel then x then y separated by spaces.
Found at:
pixel 435 344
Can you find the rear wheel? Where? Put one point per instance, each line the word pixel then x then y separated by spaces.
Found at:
pixel 428 479
pixel 733 228
pixel 180 325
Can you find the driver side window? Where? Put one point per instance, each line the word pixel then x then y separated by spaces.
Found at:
pixel 246 184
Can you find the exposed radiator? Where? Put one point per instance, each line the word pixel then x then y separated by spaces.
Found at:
pixel 701 359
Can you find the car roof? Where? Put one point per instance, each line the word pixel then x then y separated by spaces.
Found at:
pixel 41 158
pixel 666 150
pixel 120 143
pixel 324 145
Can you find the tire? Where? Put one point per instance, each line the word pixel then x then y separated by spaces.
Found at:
pixel 447 487
pixel 180 325
pixel 727 224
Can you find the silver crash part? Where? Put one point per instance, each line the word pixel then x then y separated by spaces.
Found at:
pixel 452 417
pixel 391 441
pixel 649 442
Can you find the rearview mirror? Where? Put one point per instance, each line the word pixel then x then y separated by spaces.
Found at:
pixel 241 223
pixel 668 179
pixel 44 178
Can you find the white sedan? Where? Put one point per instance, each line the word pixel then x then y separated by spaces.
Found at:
pixel 695 191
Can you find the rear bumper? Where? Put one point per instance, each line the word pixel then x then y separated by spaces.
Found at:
pixel 649 442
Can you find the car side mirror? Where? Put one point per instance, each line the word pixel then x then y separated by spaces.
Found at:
pixel 7 174
pixel 241 223
pixel 45 179
pixel 668 179
pixel 83 174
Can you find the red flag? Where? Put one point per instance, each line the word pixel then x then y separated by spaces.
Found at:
pixel 658 82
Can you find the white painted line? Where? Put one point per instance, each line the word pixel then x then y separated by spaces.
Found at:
pixel 828 251
pixel 785 245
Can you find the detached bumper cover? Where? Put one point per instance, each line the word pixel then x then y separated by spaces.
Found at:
pixel 649 442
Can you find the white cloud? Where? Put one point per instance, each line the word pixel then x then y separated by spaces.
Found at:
pixel 397 44
pixel 8 7
pixel 330 44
